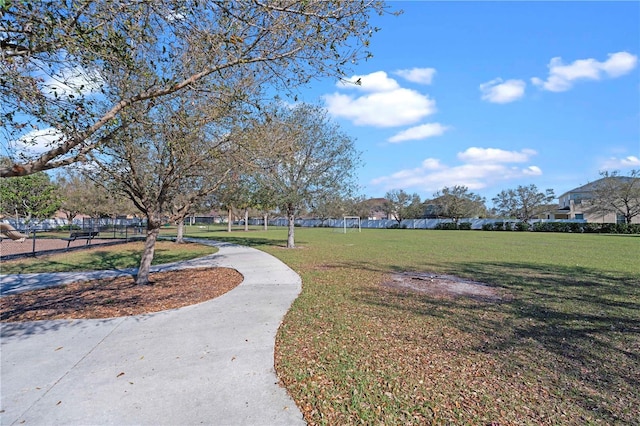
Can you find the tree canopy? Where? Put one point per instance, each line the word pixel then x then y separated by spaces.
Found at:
pixel 70 70
pixel 456 203
pixel 29 197
pixel 313 159
pixel 401 205
pixel 523 203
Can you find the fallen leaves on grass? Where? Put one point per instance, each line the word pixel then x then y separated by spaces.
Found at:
pixel 120 296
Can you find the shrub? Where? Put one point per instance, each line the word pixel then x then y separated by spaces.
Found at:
pixel 605 228
pixel 487 227
pixel 397 226
pixel 591 227
pixel 447 226
pixel 608 228
pixel 465 226
pixel 575 227
pixel 522 226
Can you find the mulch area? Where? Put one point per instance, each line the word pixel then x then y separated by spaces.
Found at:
pixel 109 297
pixel 116 297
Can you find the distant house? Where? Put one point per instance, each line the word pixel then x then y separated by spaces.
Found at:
pixel 577 204
pixel 375 207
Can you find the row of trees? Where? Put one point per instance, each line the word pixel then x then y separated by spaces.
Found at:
pixel 613 193
pixel 167 167
pixel 457 202
pixel 35 196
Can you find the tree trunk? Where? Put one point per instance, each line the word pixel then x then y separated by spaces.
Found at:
pixel 229 220
pixel 246 219
pixel 153 229
pixel 290 233
pixel 265 225
pixel 180 235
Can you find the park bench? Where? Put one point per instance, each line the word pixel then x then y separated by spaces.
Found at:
pixel 81 235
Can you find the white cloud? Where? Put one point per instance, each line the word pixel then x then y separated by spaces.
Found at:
pixel 475 172
pixel 532 171
pixel 72 81
pixel 502 92
pixel 417 75
pixel 397 107
pixel 378 81
pixel 419 132
pixel 619 64
pixel 615 163
pixel 562 77
pixel 495 155
pixel 39 141
pixel 431 164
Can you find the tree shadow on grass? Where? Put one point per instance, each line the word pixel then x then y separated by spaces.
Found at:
pixel 578 327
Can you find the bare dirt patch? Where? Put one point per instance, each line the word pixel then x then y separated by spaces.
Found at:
pixel 443 286
pixel 116 297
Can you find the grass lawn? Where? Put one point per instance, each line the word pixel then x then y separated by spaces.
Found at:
pixel 120 256
pixel 561 347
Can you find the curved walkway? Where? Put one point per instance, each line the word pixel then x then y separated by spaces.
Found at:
pixel 210 363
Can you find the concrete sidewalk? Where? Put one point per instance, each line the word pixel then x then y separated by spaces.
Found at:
pixel 210 363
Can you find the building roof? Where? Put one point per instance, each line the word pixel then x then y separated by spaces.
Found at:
pixel 591 186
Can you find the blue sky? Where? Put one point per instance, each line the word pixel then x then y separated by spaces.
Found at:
pixel 492 95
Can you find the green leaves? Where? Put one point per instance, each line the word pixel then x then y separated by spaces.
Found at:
pixel 29 197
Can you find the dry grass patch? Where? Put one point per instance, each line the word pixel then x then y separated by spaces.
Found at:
pixel 442 286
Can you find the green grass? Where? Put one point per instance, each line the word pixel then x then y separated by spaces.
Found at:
pixel 120 256
pixel 562 348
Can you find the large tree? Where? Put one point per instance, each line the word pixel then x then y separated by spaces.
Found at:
pixel 456 203
pixel 618 194
pixel 523 203
pixel 401 205
pixel 312 159
pixel 166 160
pixel 71 69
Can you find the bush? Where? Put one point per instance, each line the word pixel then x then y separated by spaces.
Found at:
pixel 447 226
pixel 575 227
pixel 466 226
pixel 604 228
pixel 508 226
pixel 608 228
pixel 397 226
pixel 498 226
pixel 487 227
pixel 522 226
pixel 591 227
